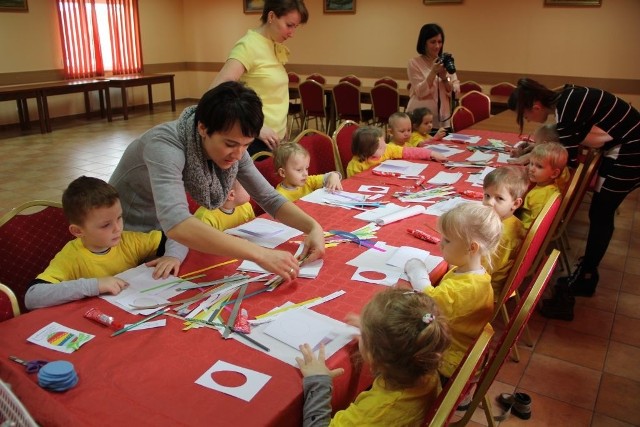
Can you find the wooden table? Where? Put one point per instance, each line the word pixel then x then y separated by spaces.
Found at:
pixel 506 122
pixel 20 94
pixel 148 377
pixel 126 81
pixel 76 86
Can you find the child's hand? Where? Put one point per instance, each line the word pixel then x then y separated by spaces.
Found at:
pixel 353 320
pixel 111 285
pixel 333 182
pixel 437 157
pixel 522 148
pixel 164 266
pixel 439 135
pixel 522 160
pixel 310 365
pixel 423 143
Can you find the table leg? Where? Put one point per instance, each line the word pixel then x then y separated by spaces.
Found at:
pixel 125 111
pixel 45 109
pixel 150 93
pixel 23 113
pixel 87 104
pixel 41 119
pixel 173 95
pixel 101 96
pixel 107 96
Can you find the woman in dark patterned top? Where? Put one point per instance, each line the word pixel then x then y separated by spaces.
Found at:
pixel 597 119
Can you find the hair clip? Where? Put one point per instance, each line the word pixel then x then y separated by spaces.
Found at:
pixel 428 318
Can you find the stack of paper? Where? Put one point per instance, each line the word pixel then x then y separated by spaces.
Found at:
pixel 264 232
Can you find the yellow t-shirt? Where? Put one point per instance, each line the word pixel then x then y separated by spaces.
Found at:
pixel 395 143
pixel 221 220
pixel 382 407
pixel 534 201
pixel 356 166
pixel 75 261
pixel 265 73
pixel 417 138
pixel 313 183
pixel 513 233
pixel 466 300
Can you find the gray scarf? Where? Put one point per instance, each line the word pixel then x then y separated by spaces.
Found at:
pixel 208 184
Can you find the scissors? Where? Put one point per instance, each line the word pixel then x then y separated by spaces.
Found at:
pixel 32 366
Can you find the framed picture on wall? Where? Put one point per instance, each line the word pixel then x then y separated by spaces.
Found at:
pixel 250 6
pixel 14 6
pixel 573 2
pixel 339 6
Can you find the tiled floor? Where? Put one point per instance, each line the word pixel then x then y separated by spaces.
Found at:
pixel 579 373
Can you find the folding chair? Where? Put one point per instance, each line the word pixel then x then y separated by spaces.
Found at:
pixel 460 382
pixel 321 151
pixel 342 138
pixel 28 242
pixel 346 96
pixel 313 102
pixel 8 304
pixel 385 101
pixel 461 118
pixel 531 246
pixel 507 340
pixel 468 86
pixel 478 103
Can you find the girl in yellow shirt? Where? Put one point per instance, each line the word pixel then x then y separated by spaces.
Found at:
pixel 402 337
pixel 421 124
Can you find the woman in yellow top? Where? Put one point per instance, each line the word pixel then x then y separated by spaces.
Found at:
pixel 258 59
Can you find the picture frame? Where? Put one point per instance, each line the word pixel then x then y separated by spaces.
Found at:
pixel 250 6
pixel 339 6
pixel 14 6
pixel 573 2
pixel 428 2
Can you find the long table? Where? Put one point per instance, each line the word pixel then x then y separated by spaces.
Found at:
pixel 147 377
pixel 132 80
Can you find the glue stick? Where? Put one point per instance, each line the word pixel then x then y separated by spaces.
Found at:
pixel 423 236
pixel 105 319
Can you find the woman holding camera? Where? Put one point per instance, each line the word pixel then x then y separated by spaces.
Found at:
pixel 432 76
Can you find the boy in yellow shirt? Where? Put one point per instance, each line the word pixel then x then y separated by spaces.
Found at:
pixel 87 265
pixel 547 161
pixel 504 190
pixel 399 129
pixel 291 161
pixel 235 210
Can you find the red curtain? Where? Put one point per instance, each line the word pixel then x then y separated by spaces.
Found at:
pixel 80 39
pixel 124 28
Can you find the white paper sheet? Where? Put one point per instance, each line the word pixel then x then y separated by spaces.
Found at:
pixel 390 275
pixel 404 254
pixel 446 205
pixel 378 189
pixel 309 270
pixel 57 337
pixel 322 197
pixel 478 178
pixel 445 150
pixel 148 325
pixel 373 214
pixel 445 178
pixel 503 158
pixel 401 166
pixel 479 156
pixel 469 139
pixel 255 381
pixel 264 232
pixel 296 327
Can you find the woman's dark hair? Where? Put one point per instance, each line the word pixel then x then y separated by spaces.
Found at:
pixel 282 7
pixel 426 32
pixel 229 103
pixel 526 94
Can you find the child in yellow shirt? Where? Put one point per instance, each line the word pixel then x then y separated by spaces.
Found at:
pixel 470 233
pixel 422 123
pixel 291 161
pixel 369 149
pixel 504 190
pixel 235 210
pixel 402 337
pixel 547 161
pixel 399 129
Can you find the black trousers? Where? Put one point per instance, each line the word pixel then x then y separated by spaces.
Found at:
pixel 601 225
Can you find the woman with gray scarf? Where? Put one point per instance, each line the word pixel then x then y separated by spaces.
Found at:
pixel 203 152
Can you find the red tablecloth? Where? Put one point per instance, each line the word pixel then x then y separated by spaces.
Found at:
pixel 148 378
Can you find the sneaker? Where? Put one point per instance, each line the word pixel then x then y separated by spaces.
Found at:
pixel 519 404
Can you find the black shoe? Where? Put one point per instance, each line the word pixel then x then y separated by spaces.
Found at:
pixel 560 306
pixel 585 284
pixel 519 404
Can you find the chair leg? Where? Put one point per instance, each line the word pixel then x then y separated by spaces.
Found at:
pixel 488 412
pixel 515 355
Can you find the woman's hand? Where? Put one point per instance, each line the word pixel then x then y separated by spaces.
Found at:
pixel 313 245
pixel 281 263
pixel 269 137
pixel 311 365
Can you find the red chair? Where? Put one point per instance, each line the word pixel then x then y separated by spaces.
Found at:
pixel 295 109
pixel 267 169
pixel 342 141
pixel 502 89
pixel 347 103
pixel 439 413
pixel 461 118
pixel 28 242
pixel 9 307
pixel 508 338
pixel 321 152
pixel 385 101
pixel 478 103
pixel 313 103
pixel 387 81
pixel 468 86
pixel 317 77
pixel 351 79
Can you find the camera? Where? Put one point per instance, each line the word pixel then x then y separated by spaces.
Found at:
pixel 446 59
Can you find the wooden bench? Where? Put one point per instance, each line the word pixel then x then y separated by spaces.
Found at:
pixel 123 82
pixel 20 94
